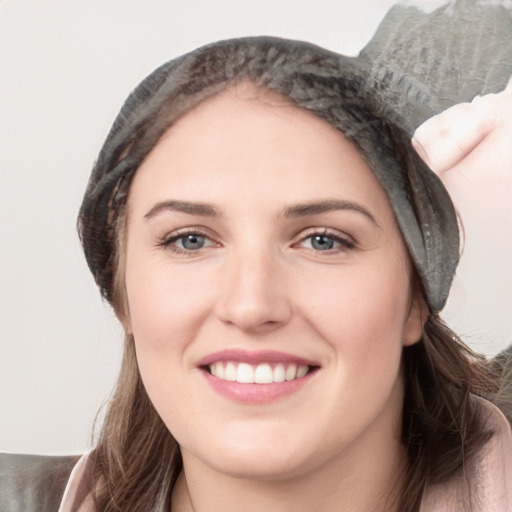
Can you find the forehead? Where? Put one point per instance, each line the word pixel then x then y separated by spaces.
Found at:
pixel 258 142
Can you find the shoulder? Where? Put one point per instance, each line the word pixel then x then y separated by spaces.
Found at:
pixel 33 482
pixel 491 469
pixel 485 483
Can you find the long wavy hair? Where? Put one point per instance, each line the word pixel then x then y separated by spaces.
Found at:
pixel 136 461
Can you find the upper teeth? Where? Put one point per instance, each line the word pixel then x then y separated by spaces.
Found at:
pixel 260 374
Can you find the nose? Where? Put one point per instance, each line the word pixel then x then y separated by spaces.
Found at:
pixel 254 296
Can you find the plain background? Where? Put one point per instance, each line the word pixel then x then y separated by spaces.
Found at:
pixel 66 66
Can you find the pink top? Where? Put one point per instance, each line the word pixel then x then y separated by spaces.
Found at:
pixel 485 485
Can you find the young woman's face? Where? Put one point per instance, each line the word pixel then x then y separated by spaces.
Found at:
pixel 268 290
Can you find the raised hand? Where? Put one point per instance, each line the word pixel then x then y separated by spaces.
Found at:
pixel 470 147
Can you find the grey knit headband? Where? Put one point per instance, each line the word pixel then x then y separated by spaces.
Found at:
pixel 373 105
pixel 335 88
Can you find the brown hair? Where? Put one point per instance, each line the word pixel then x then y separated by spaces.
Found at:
pixel 136 460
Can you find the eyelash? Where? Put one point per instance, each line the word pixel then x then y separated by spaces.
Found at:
pixel 345 243
pixel 169 241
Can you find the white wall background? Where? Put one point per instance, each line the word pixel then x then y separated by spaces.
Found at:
pixel 65 68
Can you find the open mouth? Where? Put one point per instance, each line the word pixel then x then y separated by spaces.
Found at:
pixel 263 373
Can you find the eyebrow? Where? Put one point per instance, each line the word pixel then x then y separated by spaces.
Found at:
pixel 202 209
pixel 314 208
pixel 293 211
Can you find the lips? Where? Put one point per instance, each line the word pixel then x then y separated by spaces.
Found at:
pixel 256 377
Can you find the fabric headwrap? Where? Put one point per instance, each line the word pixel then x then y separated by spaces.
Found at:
pixel 376 99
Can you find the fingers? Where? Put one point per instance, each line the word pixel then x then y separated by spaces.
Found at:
pixel 445 139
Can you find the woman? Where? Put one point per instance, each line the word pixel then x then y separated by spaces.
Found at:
pixel 246 304
pixel 219 281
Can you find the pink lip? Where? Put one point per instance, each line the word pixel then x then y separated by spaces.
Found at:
pixel 254 357
pixel 255 393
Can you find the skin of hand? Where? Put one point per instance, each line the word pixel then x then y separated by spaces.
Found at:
pixel 469 146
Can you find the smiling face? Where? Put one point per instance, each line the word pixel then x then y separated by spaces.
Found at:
pixel 268 289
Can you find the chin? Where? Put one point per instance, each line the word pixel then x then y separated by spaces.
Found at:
pixel 262 466
pixel 258 454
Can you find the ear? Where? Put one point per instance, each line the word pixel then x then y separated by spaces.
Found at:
pixel 416 319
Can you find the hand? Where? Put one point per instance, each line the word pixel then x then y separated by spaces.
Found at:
pixel 469 146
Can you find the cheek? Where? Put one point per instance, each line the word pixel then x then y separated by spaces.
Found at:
pixel 370 299
pixel 166 306
pixel 167 310
pixel 362 315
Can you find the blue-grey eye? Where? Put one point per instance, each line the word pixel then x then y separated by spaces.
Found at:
pixel 192 242
pixel 322 242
